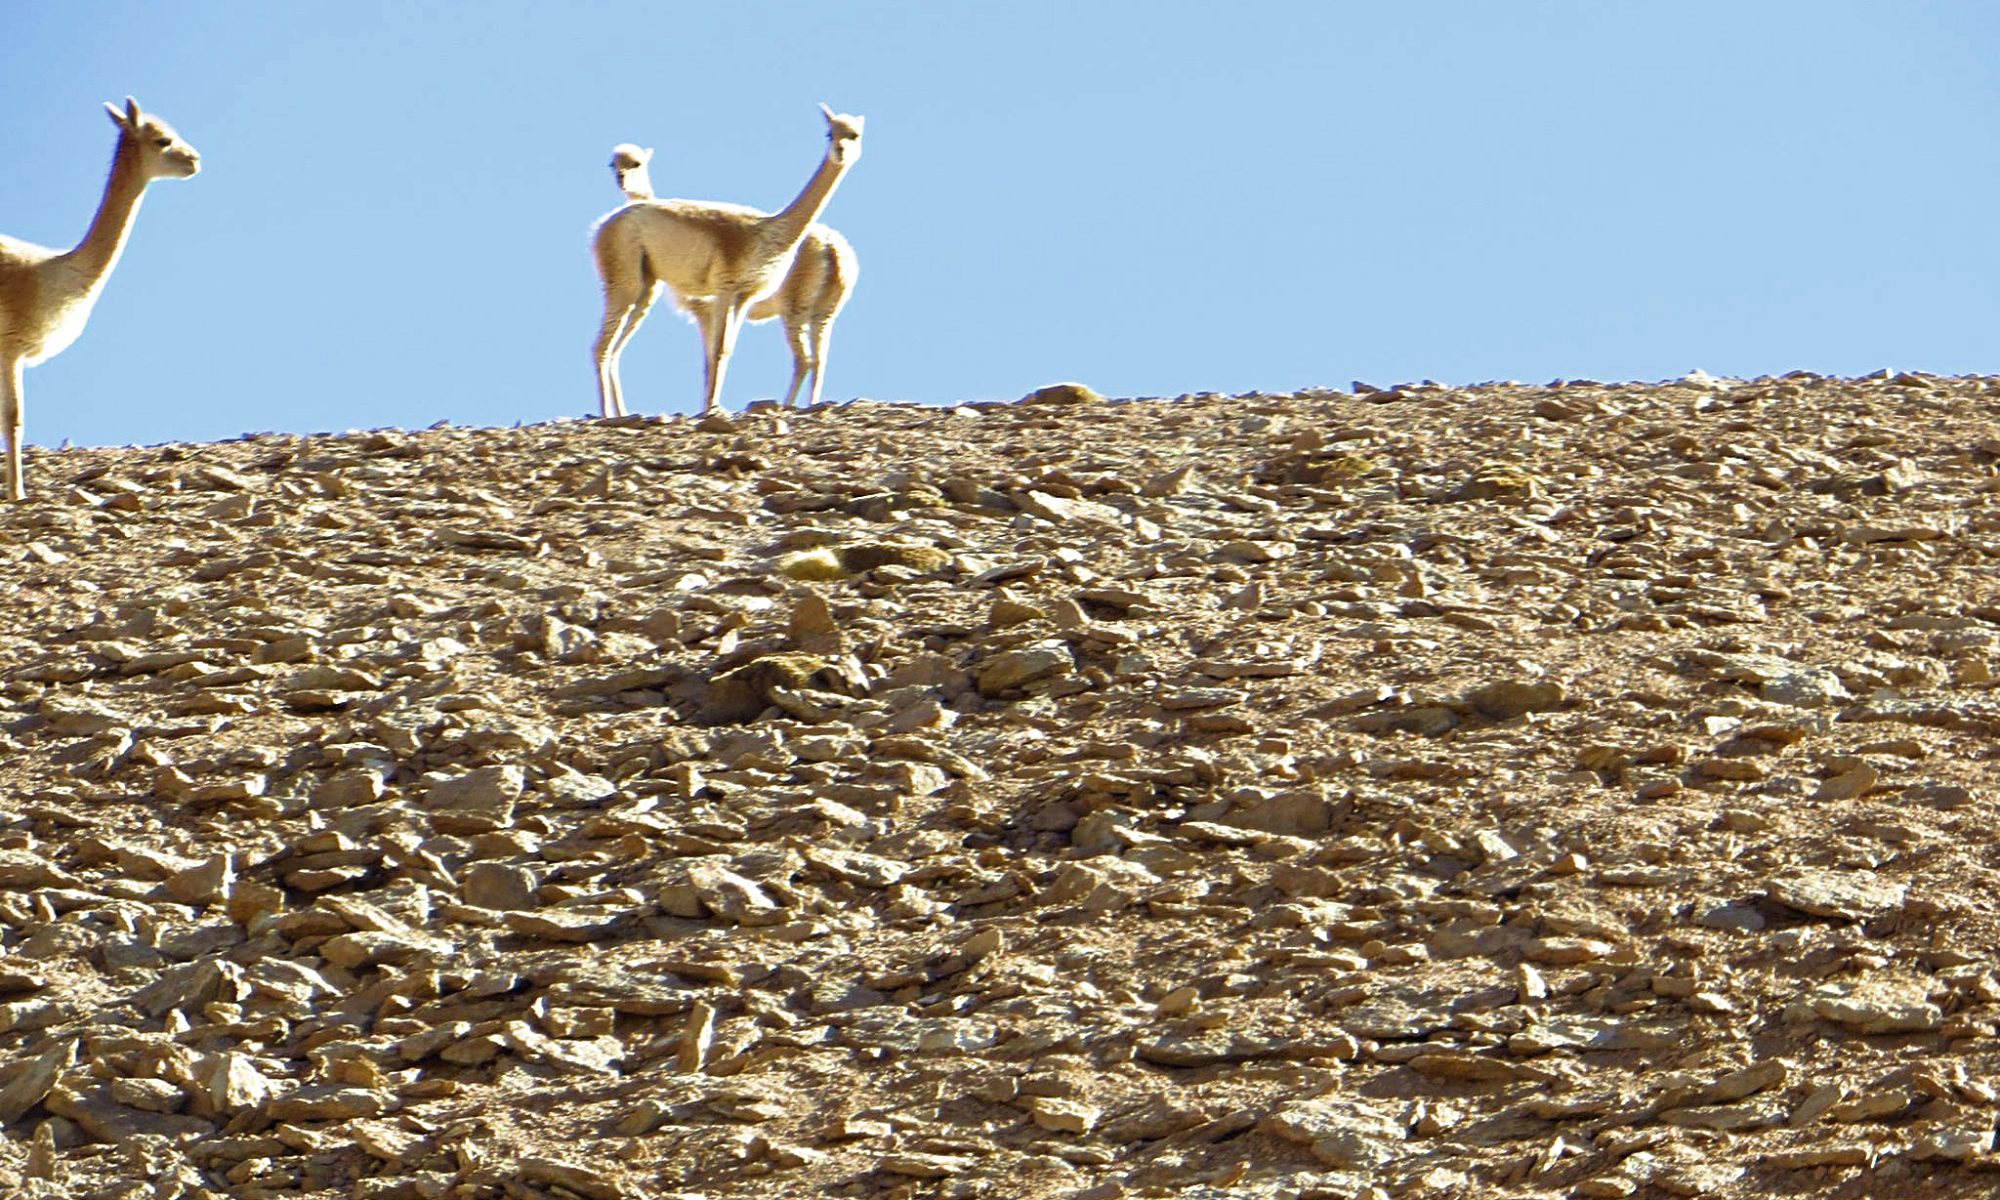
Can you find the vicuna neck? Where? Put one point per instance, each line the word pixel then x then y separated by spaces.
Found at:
pixel 98 252
pixel 806 207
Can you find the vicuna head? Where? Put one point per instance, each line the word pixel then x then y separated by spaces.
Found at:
pixel 844 134
pixel 162 153
pixel 628 164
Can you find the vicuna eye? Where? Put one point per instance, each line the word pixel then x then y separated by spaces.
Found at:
pixel 163 143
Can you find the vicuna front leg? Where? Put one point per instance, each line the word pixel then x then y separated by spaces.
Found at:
pixel 719 333
pixel 10 415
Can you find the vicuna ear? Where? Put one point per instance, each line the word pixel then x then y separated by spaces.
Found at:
pixel 829 112
pixel 645 156
pixel 132 112
pixel 117 118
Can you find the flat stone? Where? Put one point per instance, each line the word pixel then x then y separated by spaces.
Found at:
pixel 148 1094
pixel 1748 1081
pixel 360 948
pixel 1194 698
pixel 24 870
pixel 210 882
pixel 570 924
pixel 1741 917
pixel 1876 1006
pixel 229 1083
pixel 917 1035
pixel 324 1102
pixel 1063 394
pixel 1296 813
pixel 1725 1117
pixel 1014 668
pixel 89 1103
pixel 1808 687
pixel 1839 1154
pixel 589 1181
pixel 187 986
pixel 1699 1179
pixel 69 716
pixel 1396 1016
pixel 1848 895
pixel 1909 531
pixel 477 801
pixel 1507 698
pixel 1197 1048
pixel 600 1055
pixel 1061 1115
pixel 1343 1133
pixel 502 886
pixel 1101 885
pixel 1953 1145
pixel 323 678
pixel 1847 785
pixel 1596 1033
pixel 1062 510
pixel 917 1165
pixel 27 1082
pixel 1564 951
pixel 868 870
pixel 1204 1049
pixel 1475 1068
pixel 733 897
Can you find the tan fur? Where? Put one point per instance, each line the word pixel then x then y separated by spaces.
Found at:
pixel 46 295
pixel 808 299
pixel 718 260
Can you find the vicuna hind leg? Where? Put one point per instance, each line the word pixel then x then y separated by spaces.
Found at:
pixel 624 309
pixel 10 417
pixel 819 336
pixel 802 358
pixel 604 352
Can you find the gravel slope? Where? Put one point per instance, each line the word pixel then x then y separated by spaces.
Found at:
pixel 1567 790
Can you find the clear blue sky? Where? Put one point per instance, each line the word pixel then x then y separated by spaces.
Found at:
pixel 391 223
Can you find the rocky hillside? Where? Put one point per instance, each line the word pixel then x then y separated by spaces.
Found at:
pixel 1568 790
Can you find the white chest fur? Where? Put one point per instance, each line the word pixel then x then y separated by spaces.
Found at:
pixel 62 325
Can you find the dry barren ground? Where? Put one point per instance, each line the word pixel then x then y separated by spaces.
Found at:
pixel 1568 790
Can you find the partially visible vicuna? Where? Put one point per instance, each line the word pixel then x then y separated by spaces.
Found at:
pixel 46 295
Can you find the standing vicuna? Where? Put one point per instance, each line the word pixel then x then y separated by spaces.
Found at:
pixel 811 296
pixel 46 296
pixel 716 259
